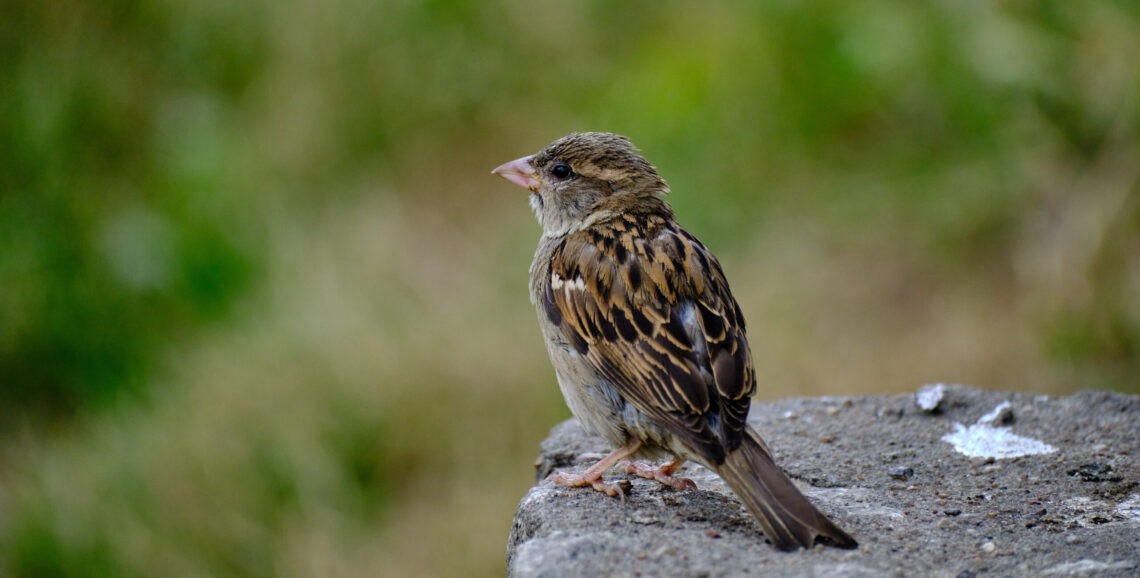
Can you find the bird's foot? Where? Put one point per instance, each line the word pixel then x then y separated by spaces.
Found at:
pixel 663 473
pixel 593 475
pixel 611 489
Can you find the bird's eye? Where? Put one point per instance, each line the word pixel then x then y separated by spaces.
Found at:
pixel 561 171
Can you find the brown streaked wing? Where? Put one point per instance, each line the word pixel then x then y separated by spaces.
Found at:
pixel 655 317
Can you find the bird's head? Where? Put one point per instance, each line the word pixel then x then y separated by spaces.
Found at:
pixel 583 177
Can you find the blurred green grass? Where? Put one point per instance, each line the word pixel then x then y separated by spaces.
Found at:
pixel 263 310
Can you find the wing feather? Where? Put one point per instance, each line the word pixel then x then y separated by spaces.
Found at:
pixel 650 309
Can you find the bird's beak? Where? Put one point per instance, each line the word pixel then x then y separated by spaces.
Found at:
pixel 519 172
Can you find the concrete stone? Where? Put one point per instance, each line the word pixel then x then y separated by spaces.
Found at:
pixel 1062 500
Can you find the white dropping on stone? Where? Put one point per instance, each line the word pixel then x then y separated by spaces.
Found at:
pixel 987 441
pixel 1130 508
pixel 984 440
pixel 999 415
pixel 929 397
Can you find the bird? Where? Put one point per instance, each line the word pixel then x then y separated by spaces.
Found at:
pixel 647 342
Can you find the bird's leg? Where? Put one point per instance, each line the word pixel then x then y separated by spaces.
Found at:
pixel 663 473
pixel 593 475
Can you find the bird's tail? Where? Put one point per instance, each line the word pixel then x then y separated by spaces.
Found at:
pixel 789 520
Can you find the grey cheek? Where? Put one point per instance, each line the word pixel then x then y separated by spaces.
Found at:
pixel 584 202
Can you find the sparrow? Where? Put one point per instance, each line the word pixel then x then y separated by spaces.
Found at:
pixel 646 339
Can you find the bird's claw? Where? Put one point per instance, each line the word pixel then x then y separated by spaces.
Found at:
pixel 663 474
pixel 620 488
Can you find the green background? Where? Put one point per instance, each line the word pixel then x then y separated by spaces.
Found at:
pixel 263 309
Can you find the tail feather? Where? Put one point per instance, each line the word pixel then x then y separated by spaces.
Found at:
pixel 789 520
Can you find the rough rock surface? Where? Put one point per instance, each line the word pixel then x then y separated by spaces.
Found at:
pixel 880 468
